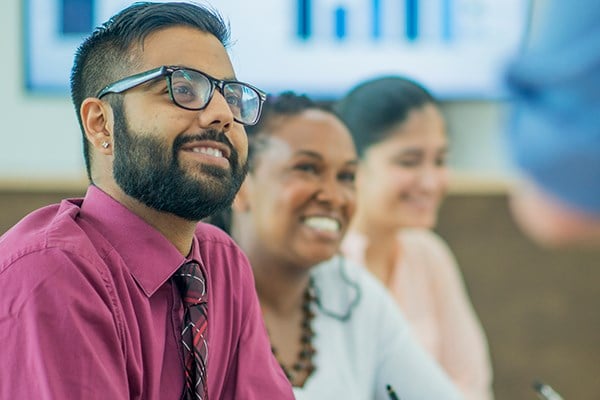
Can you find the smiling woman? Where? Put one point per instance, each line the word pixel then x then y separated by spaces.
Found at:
pixel 402 179
pixel 333 328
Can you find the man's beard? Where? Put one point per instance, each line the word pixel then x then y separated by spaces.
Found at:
pixel 146 170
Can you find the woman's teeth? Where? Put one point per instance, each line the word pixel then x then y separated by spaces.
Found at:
pixel 323 224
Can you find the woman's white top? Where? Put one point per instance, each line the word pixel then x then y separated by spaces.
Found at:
pixel 358 357
pixel 426 282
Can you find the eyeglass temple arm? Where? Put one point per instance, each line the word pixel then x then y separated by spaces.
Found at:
pixel 132 81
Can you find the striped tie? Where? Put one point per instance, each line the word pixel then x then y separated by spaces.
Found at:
pixel 191 282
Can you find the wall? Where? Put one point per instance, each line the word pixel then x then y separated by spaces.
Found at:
pixel 40 139
pixel 42 144
pixel 539 307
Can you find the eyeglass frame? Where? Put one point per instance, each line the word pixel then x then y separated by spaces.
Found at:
pixel 138 79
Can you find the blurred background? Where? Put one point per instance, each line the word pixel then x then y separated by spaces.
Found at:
pixel 537 306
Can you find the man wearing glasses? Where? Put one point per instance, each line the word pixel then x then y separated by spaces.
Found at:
pixel 122 294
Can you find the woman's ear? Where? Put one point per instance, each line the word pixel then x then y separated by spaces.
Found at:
pixel 97 121
pixel 241 203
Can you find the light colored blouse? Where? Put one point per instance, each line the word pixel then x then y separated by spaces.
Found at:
pixel 356 358
pixel 427 284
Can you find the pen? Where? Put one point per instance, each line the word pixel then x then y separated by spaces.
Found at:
pixel 545 392
pixel 391 393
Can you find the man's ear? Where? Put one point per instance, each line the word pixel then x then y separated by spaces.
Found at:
pixel 97 120
pixel 241 203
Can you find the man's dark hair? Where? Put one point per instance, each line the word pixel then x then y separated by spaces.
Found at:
pixel 112 50
pixel 373 107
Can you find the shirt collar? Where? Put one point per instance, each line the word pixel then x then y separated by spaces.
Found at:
pixel 149 256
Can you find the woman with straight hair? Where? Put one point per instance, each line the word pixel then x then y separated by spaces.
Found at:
pixel 401 180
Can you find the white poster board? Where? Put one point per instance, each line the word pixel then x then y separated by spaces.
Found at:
pixel 458 48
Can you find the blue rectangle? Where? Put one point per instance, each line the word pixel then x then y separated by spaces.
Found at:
pixel 77 16
pixel 340 22
pixel 376 10
pixel 304 19
pixel 412 19
pixel 447 20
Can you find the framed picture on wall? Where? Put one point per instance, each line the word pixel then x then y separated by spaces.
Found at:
pixel 458 48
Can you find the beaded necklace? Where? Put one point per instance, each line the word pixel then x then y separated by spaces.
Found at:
pixel 304 362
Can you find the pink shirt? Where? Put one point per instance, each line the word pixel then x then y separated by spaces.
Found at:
pixel 427 285
pixel 88 310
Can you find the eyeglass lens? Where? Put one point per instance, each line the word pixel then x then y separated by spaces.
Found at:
pixel 192 90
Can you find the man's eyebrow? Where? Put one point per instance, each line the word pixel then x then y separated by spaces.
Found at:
pixel 309 153
pixel 226 78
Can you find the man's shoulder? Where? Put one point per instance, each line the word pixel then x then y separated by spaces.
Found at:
pixel 207 233
pixel 50 227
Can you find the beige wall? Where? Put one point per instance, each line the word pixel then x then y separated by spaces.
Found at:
pixel 40 139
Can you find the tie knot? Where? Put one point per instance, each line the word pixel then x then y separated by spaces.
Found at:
pixel 191 282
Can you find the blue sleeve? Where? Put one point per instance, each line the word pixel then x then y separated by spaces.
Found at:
pixel 554 130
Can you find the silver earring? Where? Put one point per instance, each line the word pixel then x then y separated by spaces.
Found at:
pixel 105 145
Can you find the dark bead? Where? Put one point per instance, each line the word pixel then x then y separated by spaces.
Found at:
pixel 304 339
pixel 298 366
pixel 307 353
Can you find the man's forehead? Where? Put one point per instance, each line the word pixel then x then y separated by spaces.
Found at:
pixel 187 47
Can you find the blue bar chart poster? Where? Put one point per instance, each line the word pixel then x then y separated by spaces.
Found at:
pixel 319 47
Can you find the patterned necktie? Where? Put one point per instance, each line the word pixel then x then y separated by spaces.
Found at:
pixel 192 284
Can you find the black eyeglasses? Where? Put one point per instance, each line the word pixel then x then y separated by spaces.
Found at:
pixel 193 90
